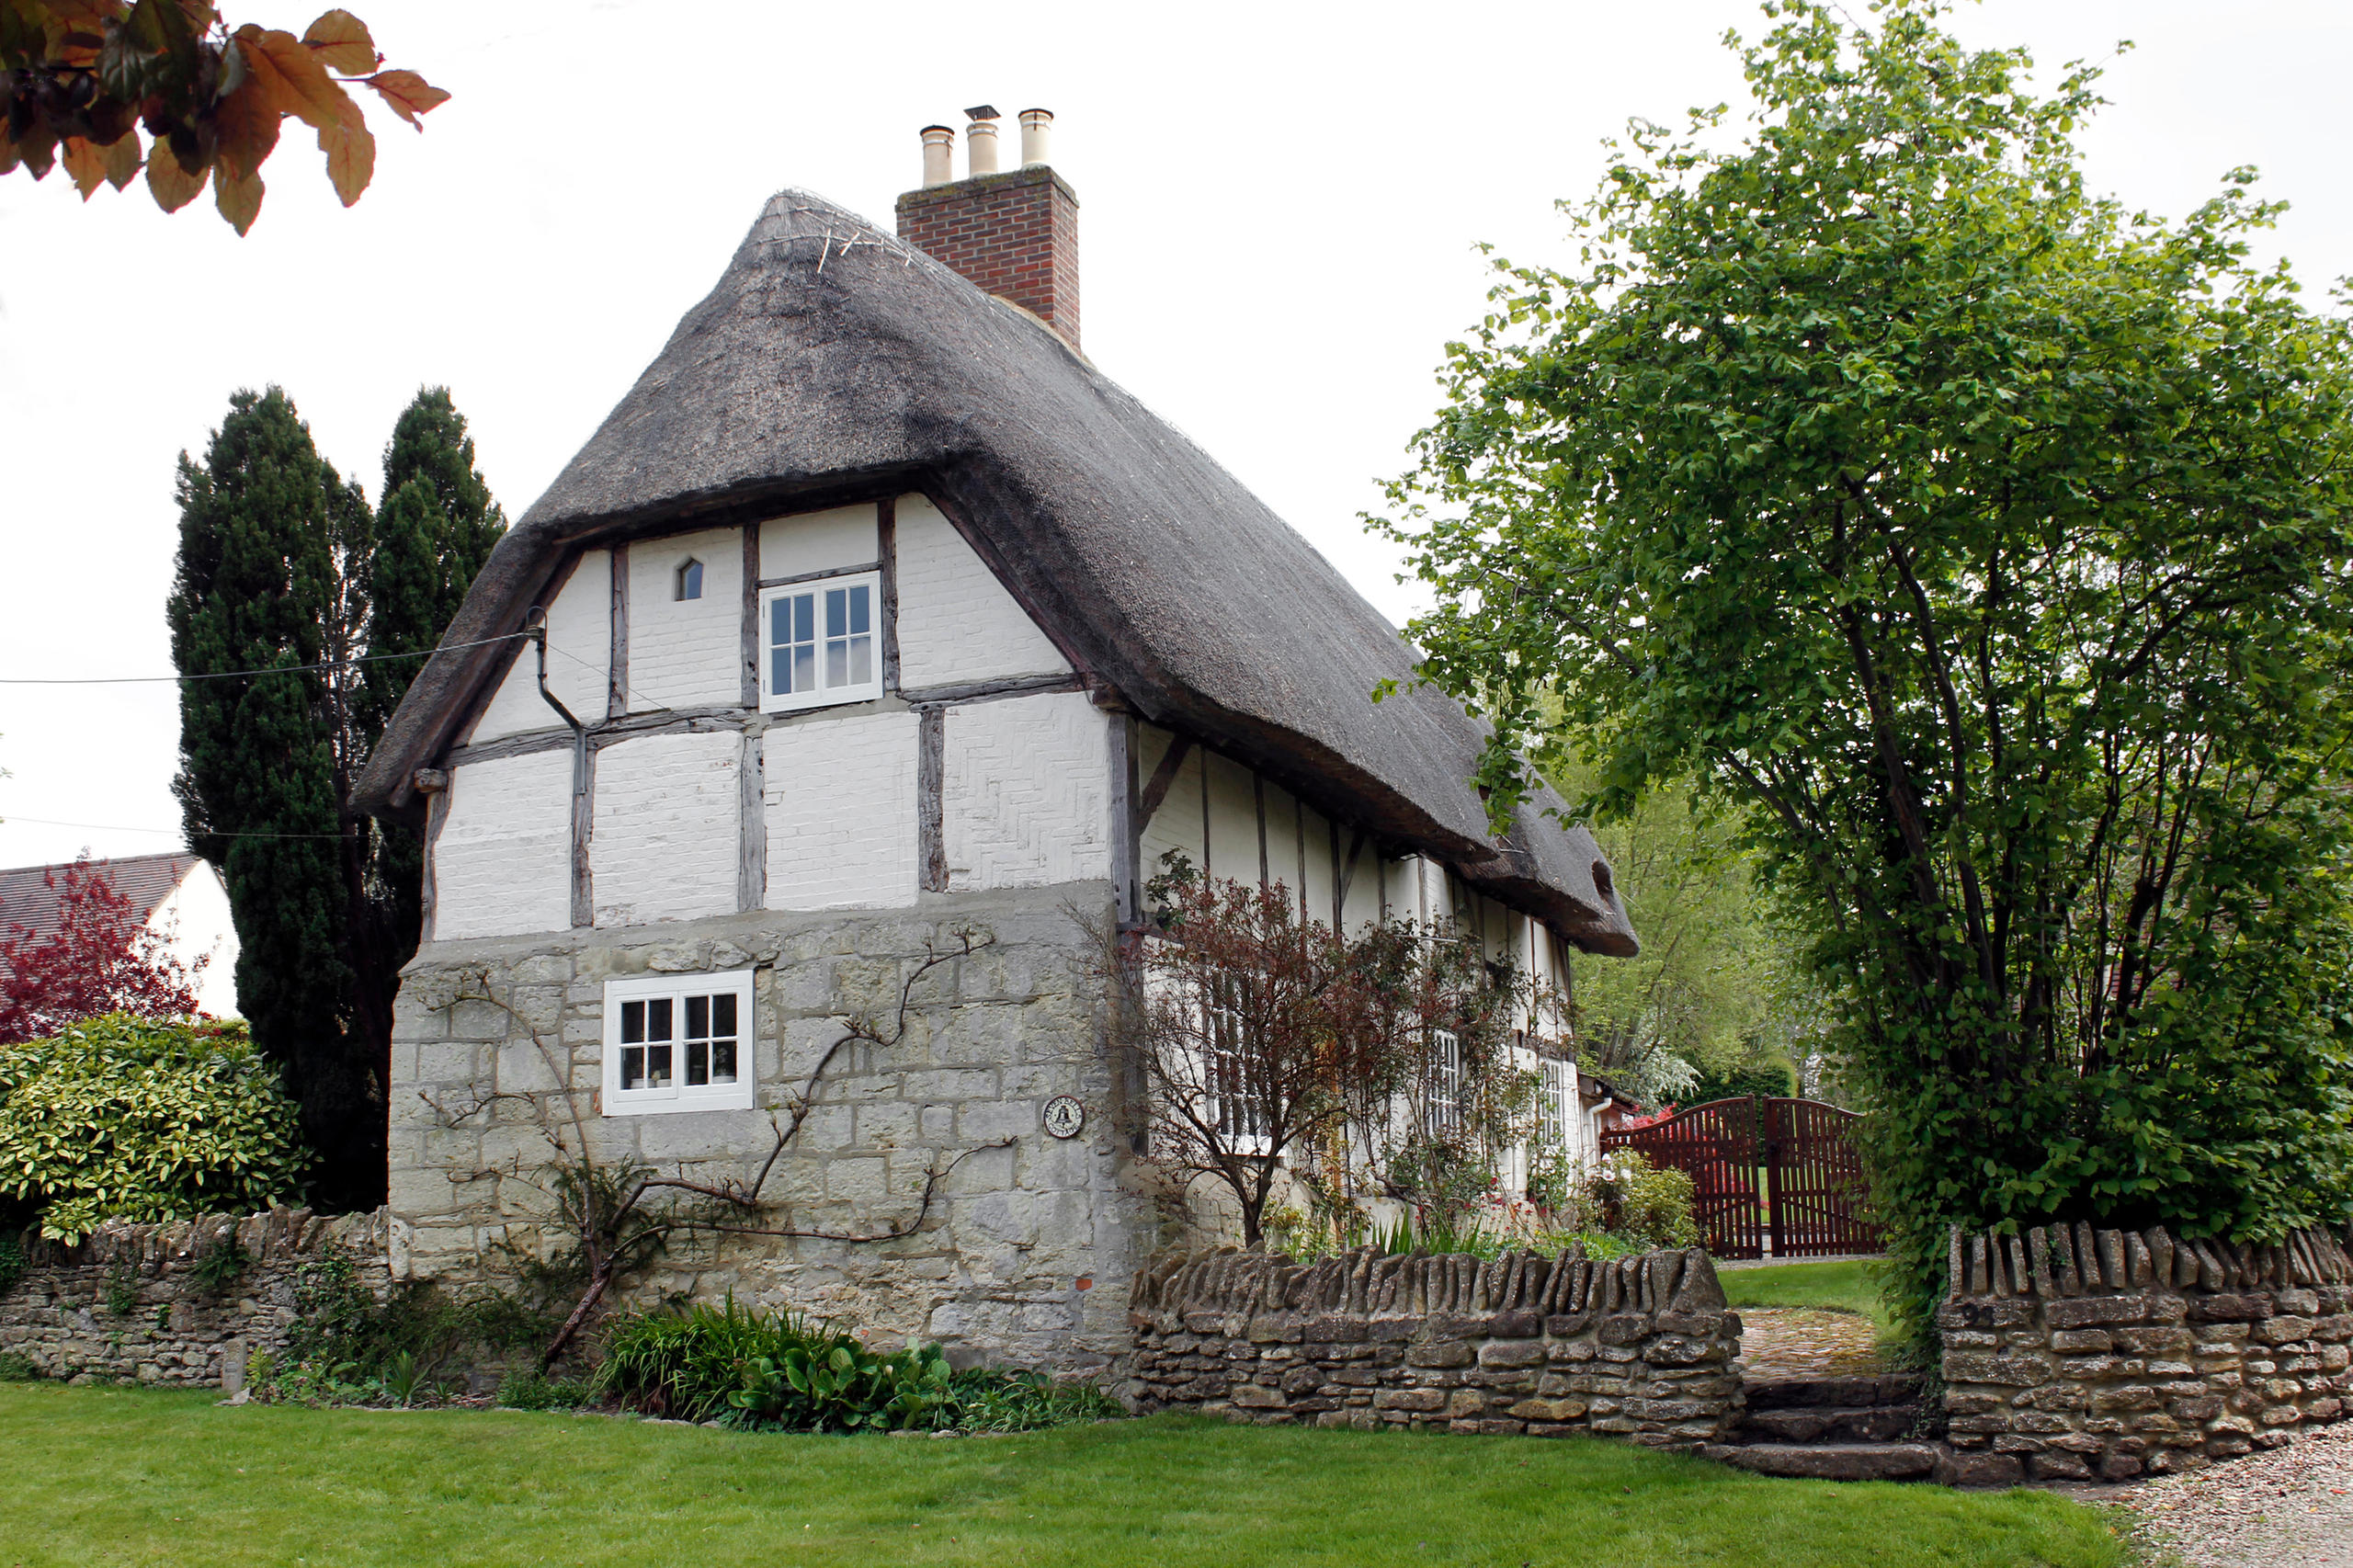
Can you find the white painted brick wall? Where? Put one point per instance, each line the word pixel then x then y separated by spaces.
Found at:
pixel 831 541
pixel 502 865
pixel 841 812
pixel 580 649
pixel 689 652
pixel 956 622
pixel 662 845
pixel 1024 792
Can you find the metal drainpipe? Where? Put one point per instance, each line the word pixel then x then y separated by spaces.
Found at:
pixel 536 625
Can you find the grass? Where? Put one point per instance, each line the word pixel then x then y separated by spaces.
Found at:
pixel 103 1475
pixel 1834 1287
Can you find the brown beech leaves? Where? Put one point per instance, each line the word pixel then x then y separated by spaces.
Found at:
pixel 80 79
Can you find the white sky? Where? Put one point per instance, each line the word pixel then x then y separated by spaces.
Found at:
pixel 1279 202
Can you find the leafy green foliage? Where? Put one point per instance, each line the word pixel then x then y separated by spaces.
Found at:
pixel 531 1388
pixel 220 1265
pixel 1767 1083
pixel 15 1368
pixel 346 1346
pixel 1984 547
pixel 985 1399
pixel 12 1263
pixel 782 1371
pixel 133 1119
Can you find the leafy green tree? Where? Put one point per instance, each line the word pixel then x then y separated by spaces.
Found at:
pixel 1984 546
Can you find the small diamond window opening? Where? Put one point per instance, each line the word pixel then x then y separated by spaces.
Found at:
pixel 677 1043
pixel 690 580
pixel 822 642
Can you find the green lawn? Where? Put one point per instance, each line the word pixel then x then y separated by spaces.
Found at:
pixel 128 1475
pixel 1840 1286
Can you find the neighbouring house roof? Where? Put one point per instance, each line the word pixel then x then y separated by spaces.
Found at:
pixel 834 359
pixel 29 904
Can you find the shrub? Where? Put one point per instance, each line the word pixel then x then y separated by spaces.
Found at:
pixel 531 1388
pixel 996 1400
pixel 346 1347
pixel 15 1368
pixel 132 1118
pixel 776 1371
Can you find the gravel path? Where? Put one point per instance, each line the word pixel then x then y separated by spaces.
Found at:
pixel 2291 1508
pixel 1801 1342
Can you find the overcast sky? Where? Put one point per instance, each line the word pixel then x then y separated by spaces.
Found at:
pixel 1280 206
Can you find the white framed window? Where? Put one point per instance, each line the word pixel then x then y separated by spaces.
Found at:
pixel 1443 1091
pixel 1236 1064
pixel 678 1042
pixel 1559 1092
pixel 821 642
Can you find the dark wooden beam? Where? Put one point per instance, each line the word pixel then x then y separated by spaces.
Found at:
pixel 752 835
pixel 751 615
pixel 617 681
pixel 1164 778
pixel 931 834
pixel 886 553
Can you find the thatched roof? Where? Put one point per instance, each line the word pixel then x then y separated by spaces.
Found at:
pixel 831 360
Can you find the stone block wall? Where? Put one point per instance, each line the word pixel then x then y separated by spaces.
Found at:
pixel 2083 1352
pixel 62 1315
pixel 1642 1347
pixel 1025 1255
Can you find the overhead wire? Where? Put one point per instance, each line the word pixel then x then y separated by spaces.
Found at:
pixel 236 674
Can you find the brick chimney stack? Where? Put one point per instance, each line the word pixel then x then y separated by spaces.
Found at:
pixel 1016 234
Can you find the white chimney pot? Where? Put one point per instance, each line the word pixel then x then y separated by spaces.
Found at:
pixel 1037 134
pixel 938 156
pixel 980 147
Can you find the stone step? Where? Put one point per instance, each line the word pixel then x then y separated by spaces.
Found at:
pixel 1831 1461
pixel 1826 1424
pixel 1841 1394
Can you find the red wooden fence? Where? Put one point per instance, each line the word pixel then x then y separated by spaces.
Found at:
pixel 1777 1177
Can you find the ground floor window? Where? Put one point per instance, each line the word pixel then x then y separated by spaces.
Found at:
pixel 678 1042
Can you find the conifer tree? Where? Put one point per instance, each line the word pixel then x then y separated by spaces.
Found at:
pixel 283 563
pixel 266 527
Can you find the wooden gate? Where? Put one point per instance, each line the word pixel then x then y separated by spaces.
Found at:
pixel 1771 1178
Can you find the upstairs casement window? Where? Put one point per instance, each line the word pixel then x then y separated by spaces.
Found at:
pixel 821 642
pixel 689 580
pixel 678 1042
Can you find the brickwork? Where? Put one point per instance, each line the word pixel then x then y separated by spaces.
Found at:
pixel 956 623
pixel 2071 1353
pixel 1025 1252
pixel 1640 1348
pixel 125 1305
pixel 683 652
pixel 667 819
pixel 1014 234
pixel 841 812
pixel 1028 779
pixel 503 861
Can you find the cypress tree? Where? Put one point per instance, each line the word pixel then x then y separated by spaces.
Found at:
pixel 282 564
pixel 259 587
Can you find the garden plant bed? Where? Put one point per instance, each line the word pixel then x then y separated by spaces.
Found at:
pixel 139 1476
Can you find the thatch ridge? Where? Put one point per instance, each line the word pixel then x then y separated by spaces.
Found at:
pixel 832 359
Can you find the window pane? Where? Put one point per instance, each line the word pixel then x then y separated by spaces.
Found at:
pixel 781 672
pixel 690 580
pixel 836 664
pixel 805 618
pixel 722 1013
pixel 861 617
pixel 781 619
pixel 837 611
pixel 657 1018
pixel 723 1061
pixel 633 1067
pixel 697 1064
pixel 804 668
pixel 861 660
pixel 698 1017
pixel 632 1022
pixel 657 1066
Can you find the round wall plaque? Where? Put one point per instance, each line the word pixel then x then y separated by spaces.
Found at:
pixel 1065 1118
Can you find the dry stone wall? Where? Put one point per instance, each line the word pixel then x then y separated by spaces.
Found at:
pixel 2072 1352
pixel 1642 1347
pixel 126 1301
